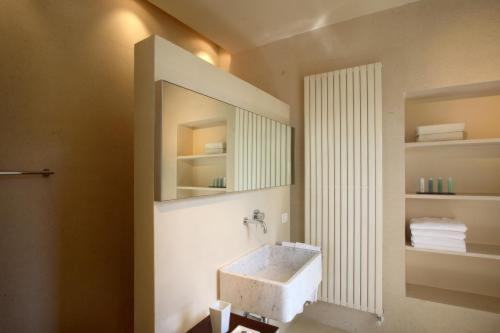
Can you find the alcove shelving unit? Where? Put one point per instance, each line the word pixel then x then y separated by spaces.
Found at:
pixel 195 168
pixel 469 279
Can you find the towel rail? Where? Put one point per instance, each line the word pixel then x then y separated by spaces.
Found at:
pixel 44 173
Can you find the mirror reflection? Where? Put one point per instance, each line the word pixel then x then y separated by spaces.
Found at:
pixel 206 147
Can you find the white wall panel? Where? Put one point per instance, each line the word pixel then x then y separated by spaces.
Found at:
pixel 324 180
pixel 258 150
pixel 254 153
pixel 237 151
pixel 331 188
pixel 289 155
pixel 307 161
pixel 244 139
pixel 278 154
pixel 264 152
pixel 273 153
pixel 268 150
pixel 283 155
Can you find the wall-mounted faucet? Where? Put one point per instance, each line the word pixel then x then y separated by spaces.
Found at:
pixel 257 217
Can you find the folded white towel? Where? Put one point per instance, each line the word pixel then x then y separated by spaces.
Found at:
pixel 437 223
pixel 215 145
pixel 440 137
pixel 437 241
pixel 307 247
pixel 439 247
pixel 441 128
pixel 438 233
pixel 214 150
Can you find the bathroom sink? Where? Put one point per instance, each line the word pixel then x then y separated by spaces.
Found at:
pixel 273 281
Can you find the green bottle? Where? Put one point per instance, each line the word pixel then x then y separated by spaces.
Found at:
pixel 440 184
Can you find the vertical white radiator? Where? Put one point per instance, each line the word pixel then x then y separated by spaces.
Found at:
pixel 343 183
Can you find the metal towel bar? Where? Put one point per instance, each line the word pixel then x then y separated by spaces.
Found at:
pixel 44 172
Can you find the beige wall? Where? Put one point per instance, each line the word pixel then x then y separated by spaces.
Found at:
pixel 66 92
pixel 423 45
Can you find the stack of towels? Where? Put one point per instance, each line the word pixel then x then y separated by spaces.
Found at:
pixel 443 132
pixel 215 148
pixel 438 233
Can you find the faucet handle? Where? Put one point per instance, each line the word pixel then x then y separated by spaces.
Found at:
pixel 258 215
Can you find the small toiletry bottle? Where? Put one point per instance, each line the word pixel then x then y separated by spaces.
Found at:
pixel 440 184
pixel 224 182
pixel 421 187
pixel 431 185
pixel 450 185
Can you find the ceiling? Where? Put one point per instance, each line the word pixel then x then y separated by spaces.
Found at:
pixel 237 25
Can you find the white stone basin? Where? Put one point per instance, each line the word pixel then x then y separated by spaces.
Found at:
pixel 273 281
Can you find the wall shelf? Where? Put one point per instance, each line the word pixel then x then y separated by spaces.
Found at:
pixel 453 297
pixel 476 143
pixel 473 250
pixel 201 156
pixel 466 279
pixel 468 196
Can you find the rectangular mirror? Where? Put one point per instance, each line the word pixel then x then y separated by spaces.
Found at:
pixel 204 146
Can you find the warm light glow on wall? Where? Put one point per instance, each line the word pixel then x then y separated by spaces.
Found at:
pixel 224 60
pixel 125 25
pixel 205 56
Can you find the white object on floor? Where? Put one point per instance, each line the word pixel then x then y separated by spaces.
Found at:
pixel 441 128
pixel 438 241
pixel 273 281
pixel 440 137
pixel 220 313
pixel 438 233
pixel 242 329
pixel 437 223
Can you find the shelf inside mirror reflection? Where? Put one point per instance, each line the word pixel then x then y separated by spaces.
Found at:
pixel 201 156
pixel 203 188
